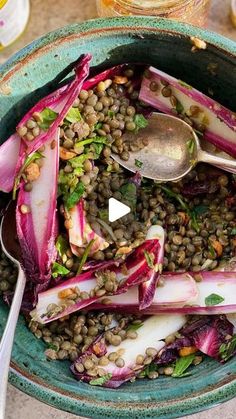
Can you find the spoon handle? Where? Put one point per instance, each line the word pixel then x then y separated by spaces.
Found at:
pixel 8 338
pixel 225 164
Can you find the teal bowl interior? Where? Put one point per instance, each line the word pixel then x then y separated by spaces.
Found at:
pixel 24 79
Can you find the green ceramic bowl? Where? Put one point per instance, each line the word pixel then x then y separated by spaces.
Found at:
pixel 25 78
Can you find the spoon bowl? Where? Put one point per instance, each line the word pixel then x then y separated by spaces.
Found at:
pixel 173 150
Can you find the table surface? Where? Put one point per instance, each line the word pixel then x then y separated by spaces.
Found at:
pixel 46 16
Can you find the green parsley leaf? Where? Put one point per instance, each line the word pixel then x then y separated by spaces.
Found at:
pixel 110 114
pixel 103 214
pixel 98 126
pixel 211 250
pixel 97 148
pixel 227 350
pixel 233 231
pixel 213 300
pixel 191 146
pixel 140 121
pixel 129 194
pixel 48 116
pixel 85 256
pixel 101 380
pixel 73 115
pixel 51 346
pixel 150 368
pixel 138 163
pixel 61 245
pixel 59 270
pixel 182 365
pixel 150 260
pixel 78 161
pixel 179 107
pixel 73 198
pixel 134 327
pixel 29 159
pixel 202 209
pixel 101 140
pixel 183 205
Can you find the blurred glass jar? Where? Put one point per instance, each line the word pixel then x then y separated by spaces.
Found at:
pixel 189 11
pixel 14 15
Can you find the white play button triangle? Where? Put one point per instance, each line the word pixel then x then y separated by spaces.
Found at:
pixel 116 209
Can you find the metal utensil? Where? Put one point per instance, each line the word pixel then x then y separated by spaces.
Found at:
pixel 173 150
pixel 12 250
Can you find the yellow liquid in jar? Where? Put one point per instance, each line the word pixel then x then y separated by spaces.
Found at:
pixel 189 11
pixel 14 15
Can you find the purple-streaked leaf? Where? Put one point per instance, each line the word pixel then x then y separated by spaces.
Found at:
pixel 170 352
pixel 151 334
pixel 9 153
pixel 208 333
pixel 59 102
pixel 36 217
pixel 132 272
pixel 180 293
pixel 179 99
pixel 147 289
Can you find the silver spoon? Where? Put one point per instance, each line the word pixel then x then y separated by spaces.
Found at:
pixel 12 250
pixel 173 150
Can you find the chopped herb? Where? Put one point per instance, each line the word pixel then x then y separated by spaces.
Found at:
pixel 78 161
pixel 233 231
pixel 138 163
pixel 101 140
pixel 129 194
pixel 98 126
pixel 59 270
pixel 202 209
pixel 227 350
pixel 85 256
pixel 140 122
pixel 191 146
pixel 72 116
pixel 29 159
pixel 194 222
pixel 103 214
pixel 97 148
pixel 183 205
pixel 101 380
pixel 51 346
pixel 150 257
pixel 182 83
pixel 176 196
pixel 182 364
pixel 134 327
pixel 48 116
pixel 211 250
pixel 150 368
pixel 78 171
pixel 61 245
pixel 213 300
pixel 179 107
pixel 110 114
pixel 73 198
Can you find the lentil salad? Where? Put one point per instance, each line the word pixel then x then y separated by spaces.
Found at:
pixel 195 217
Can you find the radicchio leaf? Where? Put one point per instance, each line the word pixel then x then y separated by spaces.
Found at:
pixel 36 228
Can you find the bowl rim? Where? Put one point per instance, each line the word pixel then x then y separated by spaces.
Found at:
pixel 34 386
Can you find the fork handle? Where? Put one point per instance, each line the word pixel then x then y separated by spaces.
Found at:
pixel 8 338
